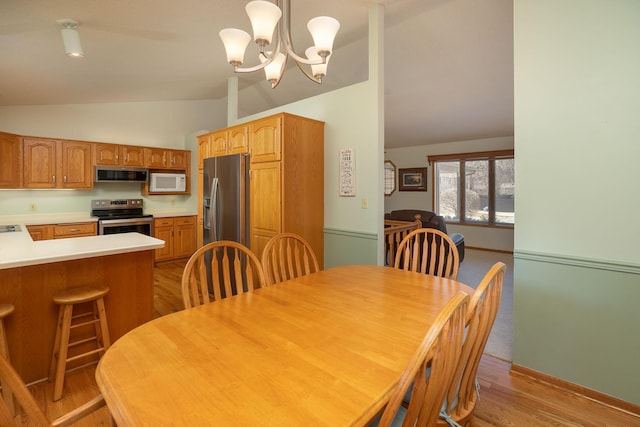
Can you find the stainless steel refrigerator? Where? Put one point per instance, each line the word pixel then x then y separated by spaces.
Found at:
pixel 226 199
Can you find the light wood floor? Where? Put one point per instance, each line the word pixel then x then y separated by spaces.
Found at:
pixel 505 399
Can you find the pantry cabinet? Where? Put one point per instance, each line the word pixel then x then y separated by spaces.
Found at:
pixel 286 176
pixel 49 163
pixel 286 180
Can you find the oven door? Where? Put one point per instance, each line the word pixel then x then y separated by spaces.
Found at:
pixel 126 225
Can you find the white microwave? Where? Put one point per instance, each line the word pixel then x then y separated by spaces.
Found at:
pixel 167 182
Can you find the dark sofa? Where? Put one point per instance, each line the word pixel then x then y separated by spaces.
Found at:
pixel 429 220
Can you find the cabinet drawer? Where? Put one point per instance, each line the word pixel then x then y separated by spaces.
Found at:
pixel 73 230
pixel 184 220
pixel 163 222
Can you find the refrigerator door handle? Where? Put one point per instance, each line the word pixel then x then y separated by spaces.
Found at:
pixel 213 211
pixel 206 207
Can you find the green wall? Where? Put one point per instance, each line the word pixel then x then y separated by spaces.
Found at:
pixel 577 272
pixel 576 320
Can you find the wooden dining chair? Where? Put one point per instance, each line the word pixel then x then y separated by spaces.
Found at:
pixel 219 270
pixel 26 401
pixel 428 251
pixel 286 256
pixel 438 355
pixel 461 398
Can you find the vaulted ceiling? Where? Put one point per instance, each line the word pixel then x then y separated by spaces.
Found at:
pixel 448 63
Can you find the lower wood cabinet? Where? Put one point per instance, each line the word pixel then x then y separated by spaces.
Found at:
pixel 62 231
pixel 179 234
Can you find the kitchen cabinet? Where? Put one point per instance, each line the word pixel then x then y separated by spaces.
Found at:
pixel 79 229
pixel 10 161
pixel 179 235
pixel 266 140
pixel 163 158
pixel 118 155
pixel 286 189
pixel 49 163
pixel 40 232
pixel 62 231
pixel 233 140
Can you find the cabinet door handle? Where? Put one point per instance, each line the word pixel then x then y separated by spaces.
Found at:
pixel 53 179
pixel 64 179
pixel 74 230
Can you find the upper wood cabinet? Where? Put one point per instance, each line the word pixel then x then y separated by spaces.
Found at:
pixel 265 139
pixel 164 158
pixel 10 161
pixel 50 163
pixel 118 155
pixel 233 140
pixel 32 162
pixel 238 139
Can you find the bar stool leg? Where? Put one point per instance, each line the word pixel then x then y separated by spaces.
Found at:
pixel 102 332
pixel 59 358
pixel 4 350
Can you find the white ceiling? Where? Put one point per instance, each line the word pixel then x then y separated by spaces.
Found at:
pixel 448 63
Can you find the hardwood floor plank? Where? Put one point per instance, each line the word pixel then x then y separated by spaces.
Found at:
pixel 506 399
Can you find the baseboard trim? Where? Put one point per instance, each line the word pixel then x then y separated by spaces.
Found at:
pixel 588 393
pixel 617 266
pixel 501 251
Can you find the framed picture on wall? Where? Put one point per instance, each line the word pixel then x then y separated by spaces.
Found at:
pixel 413 179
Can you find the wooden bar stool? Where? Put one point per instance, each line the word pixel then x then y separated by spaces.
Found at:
pixel 5 310
pixel 67 321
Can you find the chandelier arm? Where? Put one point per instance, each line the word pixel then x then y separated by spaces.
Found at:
pixel 286 35
pixel 307 74
pixel 261 66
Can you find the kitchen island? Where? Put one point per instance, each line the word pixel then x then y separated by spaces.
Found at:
pixel 32 272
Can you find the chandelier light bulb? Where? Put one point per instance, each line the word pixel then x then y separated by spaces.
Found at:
pixel 264 17
pixel 235 43
pixel 323 29
pixel 273 71
pixel 320 70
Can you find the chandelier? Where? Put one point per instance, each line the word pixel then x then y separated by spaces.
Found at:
pixel 265 18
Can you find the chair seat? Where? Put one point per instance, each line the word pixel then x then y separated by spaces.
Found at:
pixel 80 294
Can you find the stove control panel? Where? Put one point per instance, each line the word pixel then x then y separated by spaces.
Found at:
pixel 116 204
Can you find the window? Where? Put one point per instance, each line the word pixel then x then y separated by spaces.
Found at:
pixel 389 177
pixel 475 188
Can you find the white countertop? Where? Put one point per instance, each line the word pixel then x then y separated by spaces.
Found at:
pixel 38 219
pixel 65 218
pixel 165 213
pixel 17 249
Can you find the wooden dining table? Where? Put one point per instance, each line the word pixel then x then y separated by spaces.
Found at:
pixel 324 349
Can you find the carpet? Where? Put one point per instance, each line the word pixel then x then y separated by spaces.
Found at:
pixel 475 265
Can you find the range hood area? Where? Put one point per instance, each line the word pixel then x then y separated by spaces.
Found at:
pixel 121 174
